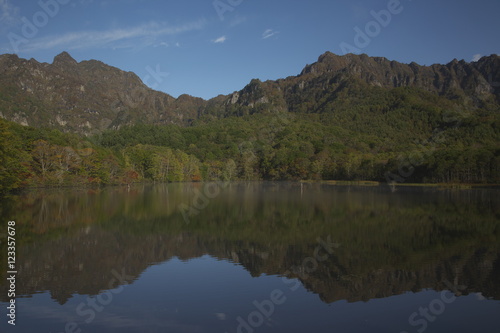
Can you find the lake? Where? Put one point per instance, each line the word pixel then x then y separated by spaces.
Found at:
pixel 254 257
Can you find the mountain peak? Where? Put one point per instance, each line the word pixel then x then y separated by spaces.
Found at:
pixel 106 97
pixel 328 62
pixel 327 55
pixel 64 58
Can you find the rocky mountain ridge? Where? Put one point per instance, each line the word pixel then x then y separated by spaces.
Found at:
pixel 90 96
pixel 85 97
pixel 475 84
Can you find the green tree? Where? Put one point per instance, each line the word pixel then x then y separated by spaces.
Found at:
pixel 10 166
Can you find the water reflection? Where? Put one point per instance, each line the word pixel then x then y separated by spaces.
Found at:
pixel 417 239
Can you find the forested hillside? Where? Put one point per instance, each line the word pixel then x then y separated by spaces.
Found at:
pixel 342 118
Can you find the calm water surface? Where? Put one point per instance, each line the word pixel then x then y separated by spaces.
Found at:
pixel 254 257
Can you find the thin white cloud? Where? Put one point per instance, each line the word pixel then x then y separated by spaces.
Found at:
pixel 220 40
pixel 476 57
pixel 269 33
pixel 161 44
pixel 144 35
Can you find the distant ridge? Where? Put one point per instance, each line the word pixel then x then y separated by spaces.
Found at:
pixel 90 96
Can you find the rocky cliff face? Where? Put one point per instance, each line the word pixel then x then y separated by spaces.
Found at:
pixel 475 80
pixel 474 84
pixel 85 97
pixel 89 96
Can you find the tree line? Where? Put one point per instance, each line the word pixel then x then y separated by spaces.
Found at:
pixel 280 146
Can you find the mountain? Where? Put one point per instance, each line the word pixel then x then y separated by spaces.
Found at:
pixel 457 77
pixel 326 84
pixel 349 117
pixel 90 96
pixel 85 97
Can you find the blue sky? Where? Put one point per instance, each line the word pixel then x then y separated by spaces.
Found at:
pixel 206 47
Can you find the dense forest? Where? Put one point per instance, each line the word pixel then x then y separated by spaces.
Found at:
pixel 343 118
pixel 399 135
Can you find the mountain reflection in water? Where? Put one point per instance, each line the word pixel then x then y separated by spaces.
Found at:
pixel 245 242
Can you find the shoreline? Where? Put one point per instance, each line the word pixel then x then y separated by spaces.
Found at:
pixel 366 183
pixel 375 183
